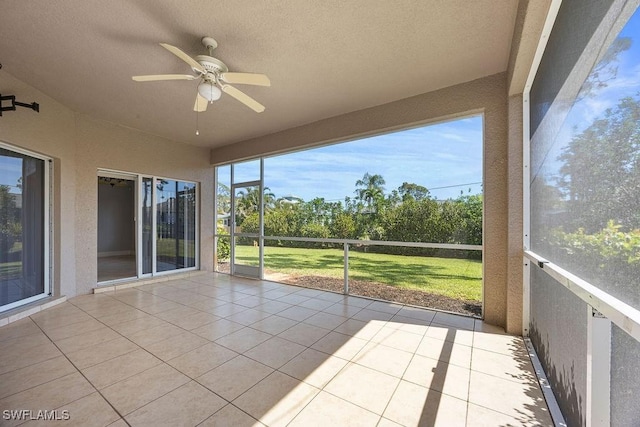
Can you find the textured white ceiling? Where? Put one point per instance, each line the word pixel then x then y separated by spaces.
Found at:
pixel 324 58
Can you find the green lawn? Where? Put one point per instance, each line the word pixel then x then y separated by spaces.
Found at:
pixel 456 278
pixel 167 247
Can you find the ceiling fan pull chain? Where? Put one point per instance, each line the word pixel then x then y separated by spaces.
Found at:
pixel 197 115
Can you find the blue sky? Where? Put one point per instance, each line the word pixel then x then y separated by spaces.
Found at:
pixel 626 82
pixel 586 110
pixel 438 155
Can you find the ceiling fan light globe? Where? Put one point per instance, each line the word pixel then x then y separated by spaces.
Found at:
pixel 209 91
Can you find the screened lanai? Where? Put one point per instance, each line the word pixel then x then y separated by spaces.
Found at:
pixel 270 303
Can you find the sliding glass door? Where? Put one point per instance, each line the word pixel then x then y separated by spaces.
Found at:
pixel 23 227
pixel 166 224
pixel 175 225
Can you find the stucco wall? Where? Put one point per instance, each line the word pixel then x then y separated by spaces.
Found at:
pixel 515 242
pixel 488 96
pixel 80 145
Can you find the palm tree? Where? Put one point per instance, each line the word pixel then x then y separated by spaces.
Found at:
pixel 370 189
pixel 269 199
pixel 248 200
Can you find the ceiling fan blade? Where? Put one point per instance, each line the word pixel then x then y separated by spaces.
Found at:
pixel 186 58
pixel 246 79
pixel 244 98
pixel 154 78
pixel 201 104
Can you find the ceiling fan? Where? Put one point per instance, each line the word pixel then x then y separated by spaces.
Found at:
pixel 214 78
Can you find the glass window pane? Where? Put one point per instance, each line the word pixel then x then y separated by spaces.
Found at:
pixel 175 218
pixel 223 253
pixel 147 226
pixel 187 224
pixel 223 200
pixel 166 244
pixel 246 257
pixel 247 251
pixel 247 209
pixel 246 171
pixel 21 226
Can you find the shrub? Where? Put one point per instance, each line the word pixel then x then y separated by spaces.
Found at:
pixel 316 231
pixel 223 248
pixel 609 258
pixel 608 246
pixel 344 226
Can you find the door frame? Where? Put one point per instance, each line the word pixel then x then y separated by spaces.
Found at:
pixel 154 211
pixel 140 224
pixel 47 254
pixel 238 269
pixel 104 173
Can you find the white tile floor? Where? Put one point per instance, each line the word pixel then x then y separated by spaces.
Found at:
pixel 213 350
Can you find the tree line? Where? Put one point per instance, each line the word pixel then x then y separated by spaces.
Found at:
pixel 408 213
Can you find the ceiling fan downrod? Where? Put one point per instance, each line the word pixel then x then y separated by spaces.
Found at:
pixel 210 44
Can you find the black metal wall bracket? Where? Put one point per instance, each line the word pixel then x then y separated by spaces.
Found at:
pixel 12 98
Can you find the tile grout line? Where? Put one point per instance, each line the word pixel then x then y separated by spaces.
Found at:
pixel 250 326
pixel 145 370
pixel 403 373
pixel 473 342
pixel 229 403
pixel 31 365
pixel 166 362
pixel 214 341
pixel 86 379
pixel 491 375
pixel 283 373
pixel 323 388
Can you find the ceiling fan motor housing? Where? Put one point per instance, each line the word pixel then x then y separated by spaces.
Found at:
pixel 212 65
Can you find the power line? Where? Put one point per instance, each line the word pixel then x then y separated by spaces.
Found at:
pixel 432 188
pixel 453 186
